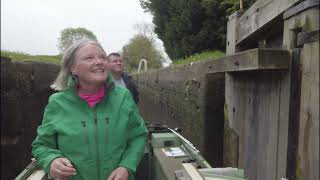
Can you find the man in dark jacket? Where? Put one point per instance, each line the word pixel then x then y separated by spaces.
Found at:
pixel 120 77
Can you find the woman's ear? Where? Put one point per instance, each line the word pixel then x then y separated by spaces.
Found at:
pixel 73 70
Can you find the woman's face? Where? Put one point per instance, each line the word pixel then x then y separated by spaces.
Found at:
pixel 90 65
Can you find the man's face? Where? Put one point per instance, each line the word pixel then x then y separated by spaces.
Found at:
pixel 116 64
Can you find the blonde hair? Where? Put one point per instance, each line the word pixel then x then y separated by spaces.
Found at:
pixel 68 59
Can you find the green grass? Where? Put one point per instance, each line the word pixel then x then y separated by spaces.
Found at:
pixel 20 56
pixel 199 57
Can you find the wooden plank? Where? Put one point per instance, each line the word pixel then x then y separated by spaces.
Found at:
pixel 248 118
pixel 301 166
pixel 305 21
pixel 307 37
pixel 284 113
pixel 227 171
pixel 259 15
pixel 231 33
pixel 219 178
pixel 235 92
pixel 308 150
pixel 32 167
pixel 256 111
pixel 231 128
pixel 293 124
pixel 269 126
pixel 192 171
pixel 38 175
pixel 300 7
pixel 250 60
pixel 230 148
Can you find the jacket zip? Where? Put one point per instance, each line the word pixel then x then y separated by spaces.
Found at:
pixel 96 127
pixel 97 141
pixel 86 134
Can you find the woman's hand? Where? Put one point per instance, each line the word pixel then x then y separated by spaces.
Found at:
pixel 62 169
pixel 120 173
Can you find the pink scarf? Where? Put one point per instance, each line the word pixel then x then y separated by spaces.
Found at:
pixel 92 99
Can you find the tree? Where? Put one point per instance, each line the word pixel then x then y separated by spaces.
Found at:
pixel 70 35
pixel 146 29
pixel 141 47
pixel 236 5
pixel 187 27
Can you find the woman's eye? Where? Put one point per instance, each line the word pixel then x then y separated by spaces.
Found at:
pixel 89 58
pixel 103 57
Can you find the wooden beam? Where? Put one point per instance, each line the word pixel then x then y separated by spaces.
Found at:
pixel 30 169
pixel 259 15
pixel 300 7
pixel 287 164
pixel 307 37
pixel 305 21
pixel 250 60
pixel 231 32
pixel 38 175
pixel 308 147
pixel 192 171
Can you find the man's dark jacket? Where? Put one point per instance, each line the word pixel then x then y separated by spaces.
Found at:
pixel 131 86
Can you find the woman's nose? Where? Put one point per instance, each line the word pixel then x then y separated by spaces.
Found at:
pixel 98 60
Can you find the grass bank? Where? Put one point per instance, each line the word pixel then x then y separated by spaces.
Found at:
pixel 199 57
pixel 20 56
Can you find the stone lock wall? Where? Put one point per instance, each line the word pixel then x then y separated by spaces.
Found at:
pixel 24 94
pixel 188 98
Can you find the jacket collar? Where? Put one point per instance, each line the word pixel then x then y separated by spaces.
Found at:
pixel 109 84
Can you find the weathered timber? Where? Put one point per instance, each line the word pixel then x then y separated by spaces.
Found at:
pixel 231 33
pixel 308 148
pixel 299 27
pixel 305 21
pixel 230 136
pixel 303 146
pixel 307 37
pixel 230 148
pixel 300 8
pixel 33 166
pixel 192 172
pixel 250 60
pixel 254 109
pixel 289 88
pixel 294 115
pixel 259 15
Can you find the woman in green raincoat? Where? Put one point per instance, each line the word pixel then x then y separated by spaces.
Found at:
pixel 91 130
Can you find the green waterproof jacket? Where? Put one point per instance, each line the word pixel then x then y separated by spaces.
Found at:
pixel 96 140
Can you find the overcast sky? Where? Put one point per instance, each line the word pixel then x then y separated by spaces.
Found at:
pixel 33 26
